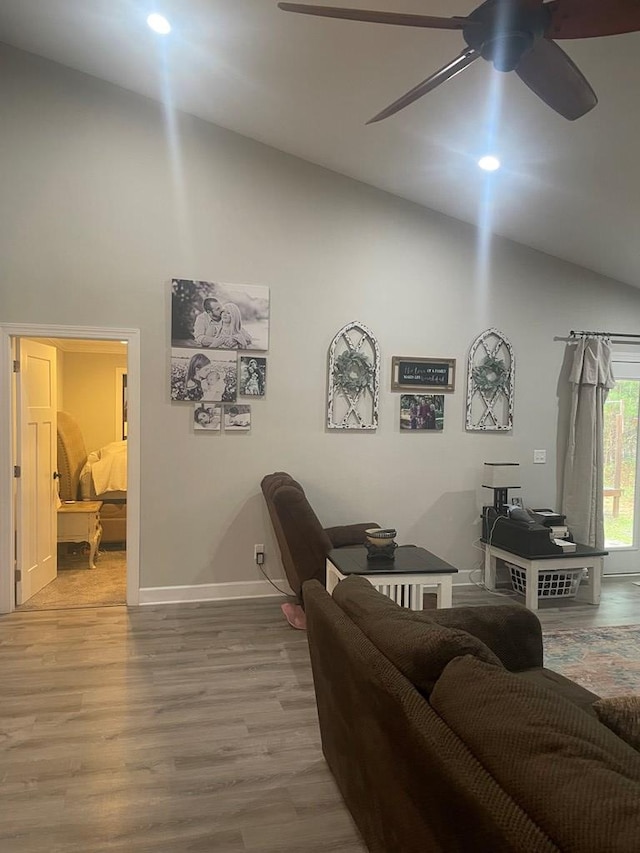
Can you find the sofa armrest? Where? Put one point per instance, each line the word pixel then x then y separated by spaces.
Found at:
pixel 349 534
pixel 512 632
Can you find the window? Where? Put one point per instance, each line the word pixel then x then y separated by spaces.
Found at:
pixel 621 517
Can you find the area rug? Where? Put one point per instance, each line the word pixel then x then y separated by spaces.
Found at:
pixel 604 660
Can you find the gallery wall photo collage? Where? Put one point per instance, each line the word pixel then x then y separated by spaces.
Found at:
pixel 217 334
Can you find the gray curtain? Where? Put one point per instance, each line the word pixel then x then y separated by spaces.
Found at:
pixel 590 379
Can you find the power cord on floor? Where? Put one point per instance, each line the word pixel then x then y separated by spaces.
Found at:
pixel 477 544
pixel 275 586
pixel 482 586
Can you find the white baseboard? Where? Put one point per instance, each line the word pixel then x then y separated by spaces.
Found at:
pixel 210 592
pixel 463 578
pixel 231 591
pixel 263 589
pixel 634 577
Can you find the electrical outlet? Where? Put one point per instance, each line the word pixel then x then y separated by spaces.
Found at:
pixel 258 554
pixel 539 457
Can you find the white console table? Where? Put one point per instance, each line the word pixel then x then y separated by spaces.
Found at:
pixel 583 557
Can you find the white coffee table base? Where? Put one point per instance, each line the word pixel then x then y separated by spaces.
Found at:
pixel 406 590
pixel 533 567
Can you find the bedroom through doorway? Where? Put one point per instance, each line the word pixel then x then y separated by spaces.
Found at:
pixel 90 490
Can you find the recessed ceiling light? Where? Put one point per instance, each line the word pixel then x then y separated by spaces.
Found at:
pixel 489 163
pixel 159 24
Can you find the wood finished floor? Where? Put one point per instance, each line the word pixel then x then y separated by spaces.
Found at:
pixel 179 728
pixel 163 729
pixel 619 605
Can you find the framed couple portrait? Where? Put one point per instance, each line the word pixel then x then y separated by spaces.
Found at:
pixel 219 316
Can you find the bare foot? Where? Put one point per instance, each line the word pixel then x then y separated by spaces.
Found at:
pixel 295 615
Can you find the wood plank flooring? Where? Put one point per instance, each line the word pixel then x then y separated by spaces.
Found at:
pixel 179 728
pixel 619 605
pixel 176 728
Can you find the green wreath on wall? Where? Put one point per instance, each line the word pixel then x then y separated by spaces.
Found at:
pixel 491 375
pixel 352 372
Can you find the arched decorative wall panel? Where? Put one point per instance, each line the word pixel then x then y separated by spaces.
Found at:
pixel 490 378
pixel 354 379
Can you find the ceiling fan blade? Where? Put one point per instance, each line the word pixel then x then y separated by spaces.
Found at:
pixel 553 76
pixel 398 18
pixel 454 67
pixel 583 19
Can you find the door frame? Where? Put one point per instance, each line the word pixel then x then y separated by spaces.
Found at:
pixel 9 331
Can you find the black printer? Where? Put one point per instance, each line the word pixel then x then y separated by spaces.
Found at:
pixel 525 532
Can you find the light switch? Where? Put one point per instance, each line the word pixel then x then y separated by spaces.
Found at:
pixel 539 456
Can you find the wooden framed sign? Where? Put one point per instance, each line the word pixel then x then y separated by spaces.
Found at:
pixel 422 374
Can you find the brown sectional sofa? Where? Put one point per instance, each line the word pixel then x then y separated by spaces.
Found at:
pixel 303 542
pixel 445 732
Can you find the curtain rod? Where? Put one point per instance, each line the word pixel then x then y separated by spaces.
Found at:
pixel 603 334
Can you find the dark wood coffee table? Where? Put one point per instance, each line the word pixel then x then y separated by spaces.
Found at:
pixel 403 579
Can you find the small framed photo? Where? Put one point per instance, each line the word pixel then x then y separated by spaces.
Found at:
pixel 253 376
pixel 207 416
pixel 237 417
pixel 422 412
pixel 422 374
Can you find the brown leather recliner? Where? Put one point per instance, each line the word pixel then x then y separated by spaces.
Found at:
pixel 303 542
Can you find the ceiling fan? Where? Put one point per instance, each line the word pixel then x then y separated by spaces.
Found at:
pixel 515 35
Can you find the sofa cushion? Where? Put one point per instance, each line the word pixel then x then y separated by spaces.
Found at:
pixel 511 631
pixel 621 714
pixel 348 535
pixel 410 783
pixel 564 687
pixel 576 779
pixel 271 482
pixel 417 646
pixel 307 543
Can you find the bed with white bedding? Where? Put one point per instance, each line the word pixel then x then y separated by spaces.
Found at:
pixel 100 475
pixel 104 473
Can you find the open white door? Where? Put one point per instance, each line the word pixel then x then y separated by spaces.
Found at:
pixel 36 452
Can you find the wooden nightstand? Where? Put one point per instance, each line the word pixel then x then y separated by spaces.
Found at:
pixel 80 522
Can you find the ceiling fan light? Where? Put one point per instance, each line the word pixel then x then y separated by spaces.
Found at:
pixel 489 163
pixel 159 24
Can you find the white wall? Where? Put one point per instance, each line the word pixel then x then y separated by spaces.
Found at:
pixel 94 221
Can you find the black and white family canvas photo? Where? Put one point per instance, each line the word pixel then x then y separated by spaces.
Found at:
pixel 210 376
pixel 208 315
pixel 422 411
pixel 207 416
pixel 237 418
pixel 253 376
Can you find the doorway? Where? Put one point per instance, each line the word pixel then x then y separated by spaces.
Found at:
pixel 622 466
pixel 125 405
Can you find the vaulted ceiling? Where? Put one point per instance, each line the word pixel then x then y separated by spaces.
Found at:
pixel 308 85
